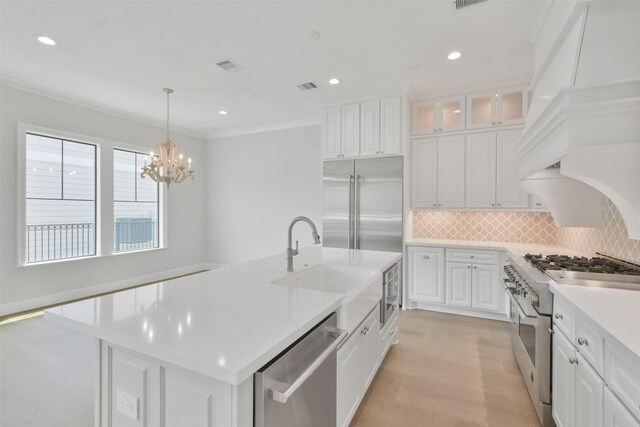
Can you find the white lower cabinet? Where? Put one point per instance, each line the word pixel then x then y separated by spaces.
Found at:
pixel 358 360
pixel 589 395
pixel 563 381
pixel 426 275
pixel 458 279
pixel 486 290
pixel 615 413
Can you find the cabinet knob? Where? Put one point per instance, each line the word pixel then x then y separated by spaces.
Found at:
pixel 493 123
pixel 499 204
pixel 558 315
pixel 573 361
pixel 538 204
pixel 381 151
pixel 435 205
pixel 440 130
pixel 435 130
pixel 468 266
pixel 475 267
pixel 472 256
pixel 493 204
pixel 425 256
pixel 582 341
pixel 499 123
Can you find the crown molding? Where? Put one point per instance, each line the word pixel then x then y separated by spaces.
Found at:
pixel 23 86
pixel 225 133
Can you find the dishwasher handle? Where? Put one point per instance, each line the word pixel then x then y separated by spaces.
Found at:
pixel 283 395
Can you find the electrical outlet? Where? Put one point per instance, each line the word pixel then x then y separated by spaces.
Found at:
pixel 127 405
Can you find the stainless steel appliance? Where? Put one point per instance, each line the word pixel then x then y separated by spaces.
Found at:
pixel 390 293
pixel 362 202
pixel 298 388
pixel 527 284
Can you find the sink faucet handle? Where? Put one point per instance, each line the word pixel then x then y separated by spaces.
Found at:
pixel 296 251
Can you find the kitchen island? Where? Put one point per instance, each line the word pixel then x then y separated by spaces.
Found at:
pixel 184 351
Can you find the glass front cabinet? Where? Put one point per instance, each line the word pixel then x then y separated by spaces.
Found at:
pixel 438 115
pixel 497 108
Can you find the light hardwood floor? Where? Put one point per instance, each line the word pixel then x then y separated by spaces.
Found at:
pixel 447 371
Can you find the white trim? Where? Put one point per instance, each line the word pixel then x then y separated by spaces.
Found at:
pixel 225 133
pixel 21 85
pixel 89 291
pixel 414 305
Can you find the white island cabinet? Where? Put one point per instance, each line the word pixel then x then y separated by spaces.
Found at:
pixel 184 352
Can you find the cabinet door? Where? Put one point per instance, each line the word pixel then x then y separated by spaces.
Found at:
pixel 451 114
pixel 391 125
pixel 349 384
pixel 615 413
pixel 458 279
pixel 511 107
pixel 424 117
pixel 426 275
pixel 451 171
pixel 564 381
pixel 481 110
pixel 589 395
pixel 508 192
pixel 481 170
pixel 370 128
pixel 331 133
pixel 486 291
pixel 424 173
pixel 370 347
pixel 350 132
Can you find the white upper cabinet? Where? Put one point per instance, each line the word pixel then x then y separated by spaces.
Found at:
pixel 331 130
pixel 438 115
pixel 370 128
pixel 497 108
pixel 424 173
pixel 390 125
pixel 481 170
pixel 350 135
pixel 508 192
pixel 451 171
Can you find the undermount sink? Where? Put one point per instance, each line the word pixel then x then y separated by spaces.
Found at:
pixel 600 280
pixel 361 287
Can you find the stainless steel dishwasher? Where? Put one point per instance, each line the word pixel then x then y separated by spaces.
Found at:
pixel 298 388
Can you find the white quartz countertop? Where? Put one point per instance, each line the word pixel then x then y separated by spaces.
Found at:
pixel 616 311
pixel 514 248
pixel 225 323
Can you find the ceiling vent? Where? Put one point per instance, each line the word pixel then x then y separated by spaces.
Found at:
pixel 307 86
pixel 229 66
pixel 464 3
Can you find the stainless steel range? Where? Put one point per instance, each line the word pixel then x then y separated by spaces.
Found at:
pixel 531 305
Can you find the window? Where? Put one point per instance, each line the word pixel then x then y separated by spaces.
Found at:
pixel 136 205
pixel 60 198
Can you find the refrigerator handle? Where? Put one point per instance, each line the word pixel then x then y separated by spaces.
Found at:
pixel 350 230
pixel 356 212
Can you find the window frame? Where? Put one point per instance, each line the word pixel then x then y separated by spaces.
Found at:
pixel 104 204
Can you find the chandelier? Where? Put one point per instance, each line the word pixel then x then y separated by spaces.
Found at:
pixel 166 167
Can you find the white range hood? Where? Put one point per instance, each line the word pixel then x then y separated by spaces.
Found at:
pixel 585 114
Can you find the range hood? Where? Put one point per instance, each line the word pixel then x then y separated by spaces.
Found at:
pixel 585 114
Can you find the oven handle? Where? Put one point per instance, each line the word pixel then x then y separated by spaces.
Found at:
pixel 520 311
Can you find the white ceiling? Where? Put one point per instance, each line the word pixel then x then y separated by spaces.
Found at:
pixel 120 54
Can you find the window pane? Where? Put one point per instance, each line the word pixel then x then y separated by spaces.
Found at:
pixel 136 207
pixel 60 206
pixel 147 188
pixel 79 170
pixel 44 167
pixel 124 175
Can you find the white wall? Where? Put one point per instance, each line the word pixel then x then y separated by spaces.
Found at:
pixel 36 285
pixel 257 184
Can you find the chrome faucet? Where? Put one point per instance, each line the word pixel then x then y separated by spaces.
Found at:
pixel 293 252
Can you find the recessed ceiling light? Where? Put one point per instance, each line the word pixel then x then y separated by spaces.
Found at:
pixel 454 55
pixel 222 113
pixel 334 81
pixel 456 111
pixel 45 40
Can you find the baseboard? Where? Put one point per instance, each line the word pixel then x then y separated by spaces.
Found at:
pixel 459 311
pixel 11 308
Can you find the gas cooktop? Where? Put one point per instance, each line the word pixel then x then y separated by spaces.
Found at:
pixel 582 264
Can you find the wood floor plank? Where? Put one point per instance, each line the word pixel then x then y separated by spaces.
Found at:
pixel 448 371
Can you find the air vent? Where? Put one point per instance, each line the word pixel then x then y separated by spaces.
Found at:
pixel 229 66
pixel 307 86
pixel 464 3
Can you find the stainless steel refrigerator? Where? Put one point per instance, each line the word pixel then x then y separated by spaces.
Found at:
pixel 362 204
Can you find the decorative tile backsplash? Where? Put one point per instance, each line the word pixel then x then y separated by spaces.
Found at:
pixel 611 239
pixel 529 227
pixel 524 227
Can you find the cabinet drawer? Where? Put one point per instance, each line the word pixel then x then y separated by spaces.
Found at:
pixel 622 375
pixel 564 318
pixel 474 256
pixel 590 344
pixel 388 337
